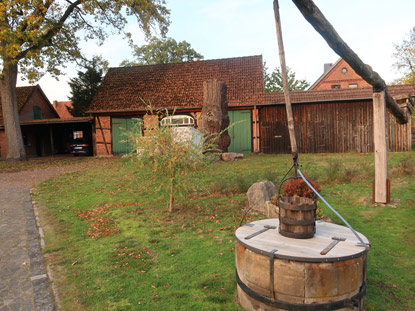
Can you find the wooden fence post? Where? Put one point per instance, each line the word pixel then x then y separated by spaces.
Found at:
pixel 381 188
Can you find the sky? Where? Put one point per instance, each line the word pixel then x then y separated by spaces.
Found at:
pixel 233 28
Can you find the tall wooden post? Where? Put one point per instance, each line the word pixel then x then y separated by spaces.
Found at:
pixel 381 194
pixel 288 107
pixel 52 144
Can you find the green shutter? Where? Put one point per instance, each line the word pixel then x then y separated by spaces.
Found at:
pixel 241 132
pixel 120 128
pixel 36 113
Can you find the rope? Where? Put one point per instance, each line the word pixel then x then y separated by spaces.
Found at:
pixel 334 211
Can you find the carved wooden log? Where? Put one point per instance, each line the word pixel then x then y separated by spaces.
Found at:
pixel 214 117
pixel 314 16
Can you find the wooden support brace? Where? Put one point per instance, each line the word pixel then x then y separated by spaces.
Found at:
pixel 381 148
pixel 314 16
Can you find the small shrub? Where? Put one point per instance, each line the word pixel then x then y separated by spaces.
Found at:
pixel 243 182
pixel 320 213
pixel 298 187
pixel 406 167
pixel 220 186
pixel 368 171
pixel 333 171
pixel 350 174
pixel 271 176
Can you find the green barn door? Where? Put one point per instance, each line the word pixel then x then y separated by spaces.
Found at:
pixel 120 128
pixel 241 135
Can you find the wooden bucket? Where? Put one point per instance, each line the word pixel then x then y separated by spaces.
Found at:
pixel 297 217
pixel 278 273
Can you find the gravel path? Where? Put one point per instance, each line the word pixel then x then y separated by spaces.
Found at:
pixel 24 284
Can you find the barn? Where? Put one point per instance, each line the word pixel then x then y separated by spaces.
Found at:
pixel 331 121
pixel 327 121
pixel 126 92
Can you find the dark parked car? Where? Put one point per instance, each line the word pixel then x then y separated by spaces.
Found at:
pixel 80 146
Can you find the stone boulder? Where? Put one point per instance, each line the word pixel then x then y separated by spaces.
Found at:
pixel 271 210
pixel 231 156
pixel 260 193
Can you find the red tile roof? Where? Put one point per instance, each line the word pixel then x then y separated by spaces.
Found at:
pixel 62 109
pixel 335 95
pixel 179 85
pixel 23 94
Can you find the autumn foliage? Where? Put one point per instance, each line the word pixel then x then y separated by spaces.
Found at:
pixel 298 187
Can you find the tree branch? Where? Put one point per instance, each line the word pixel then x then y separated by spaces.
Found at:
pixel 47 37
pixel 37 12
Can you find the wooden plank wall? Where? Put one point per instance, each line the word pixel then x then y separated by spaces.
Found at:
pixel 327 128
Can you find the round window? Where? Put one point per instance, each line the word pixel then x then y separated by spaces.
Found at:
pixel 344 70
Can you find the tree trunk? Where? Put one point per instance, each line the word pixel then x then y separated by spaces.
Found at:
pixel 171 197
pixel 14 140
pixel 214 117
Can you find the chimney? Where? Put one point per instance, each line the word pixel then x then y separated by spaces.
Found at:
pixel 327 67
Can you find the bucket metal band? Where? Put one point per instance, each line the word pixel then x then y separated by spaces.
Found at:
pixel 289 206
pixel 354 301
pixel 301 222
pixel 305 235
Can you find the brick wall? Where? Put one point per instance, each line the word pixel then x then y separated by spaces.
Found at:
pixel 3 147
pixel 342 75
pixel 26 113
pixel 103 137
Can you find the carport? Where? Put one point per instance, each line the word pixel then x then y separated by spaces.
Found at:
pixel 53 136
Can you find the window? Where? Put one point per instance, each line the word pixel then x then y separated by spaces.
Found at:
pixel 344 70
pixel 37 114
pixel 335 87
pixel 353 86
pixel 78 134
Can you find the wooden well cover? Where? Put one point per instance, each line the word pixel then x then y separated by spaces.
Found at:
pixel 280 273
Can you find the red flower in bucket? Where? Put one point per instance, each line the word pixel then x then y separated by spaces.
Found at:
pixel 298 187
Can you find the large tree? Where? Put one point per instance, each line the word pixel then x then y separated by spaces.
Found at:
pixel 273 81
pixel 405 58
pixel 41 36
pixel 85 86
pixel 163 51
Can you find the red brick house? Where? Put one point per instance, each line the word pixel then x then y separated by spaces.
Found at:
pixel 44 132
pixel 339 76
pixel 331 121
pixel 32 104
pixel 125 92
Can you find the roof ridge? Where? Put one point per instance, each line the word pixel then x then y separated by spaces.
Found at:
pixel 187 62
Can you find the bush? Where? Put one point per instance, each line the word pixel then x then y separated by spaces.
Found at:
pixel 298 187
pixel 334 171
pixel 406 167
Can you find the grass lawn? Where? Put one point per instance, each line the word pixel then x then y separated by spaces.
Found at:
pixel 112 245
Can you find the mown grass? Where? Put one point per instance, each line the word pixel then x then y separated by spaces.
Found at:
pixel 113 246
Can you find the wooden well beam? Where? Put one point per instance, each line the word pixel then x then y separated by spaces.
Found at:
pixel 314 16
